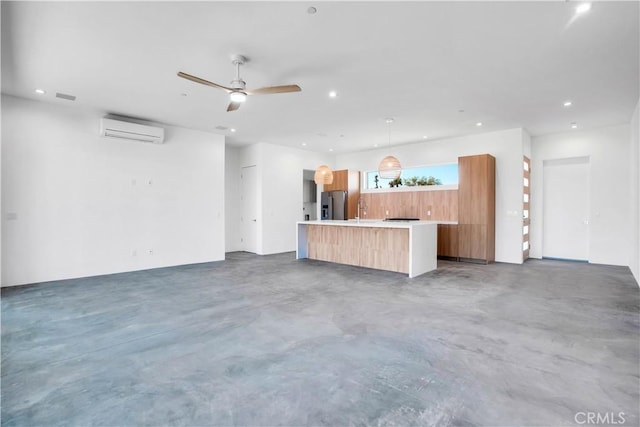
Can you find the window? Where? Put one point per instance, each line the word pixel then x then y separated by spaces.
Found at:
pixel 444 174
pixel 526 172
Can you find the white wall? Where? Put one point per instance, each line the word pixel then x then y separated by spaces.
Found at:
pixel 232 205
pixel 634 199
pixel 608 151
pixel 76 209
pixel 280 171
pixel 506 146
pixel 526 144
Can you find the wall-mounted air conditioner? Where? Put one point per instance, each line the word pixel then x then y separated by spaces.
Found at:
pixel 110 128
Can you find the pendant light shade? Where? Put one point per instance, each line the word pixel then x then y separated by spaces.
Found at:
pixel 389 167
pixel 323 175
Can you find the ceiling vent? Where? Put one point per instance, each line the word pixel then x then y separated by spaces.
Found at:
pixel 65 96
pixel 110 128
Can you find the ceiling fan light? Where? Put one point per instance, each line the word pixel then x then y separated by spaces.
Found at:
pixel 389 168
pixel 238 96
pixel 323 175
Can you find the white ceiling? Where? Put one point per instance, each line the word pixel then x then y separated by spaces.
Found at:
pixel 506 64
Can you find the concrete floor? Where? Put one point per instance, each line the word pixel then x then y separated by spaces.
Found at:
pixel 270 340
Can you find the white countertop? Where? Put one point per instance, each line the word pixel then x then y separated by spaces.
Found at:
pixel 373 223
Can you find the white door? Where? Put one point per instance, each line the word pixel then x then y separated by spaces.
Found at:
pixel 566 209
pixel 249 214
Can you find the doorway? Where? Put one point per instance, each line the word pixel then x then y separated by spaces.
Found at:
pixel 566 209
pixel 249 212
pixel 309 196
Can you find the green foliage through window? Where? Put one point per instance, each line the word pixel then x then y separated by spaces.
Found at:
pixel 418 176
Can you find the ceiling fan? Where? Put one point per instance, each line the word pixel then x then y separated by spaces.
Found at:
pixel 237 90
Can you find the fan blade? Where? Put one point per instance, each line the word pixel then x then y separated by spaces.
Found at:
pixel 233 106
pixel 202 81
pixel 274 89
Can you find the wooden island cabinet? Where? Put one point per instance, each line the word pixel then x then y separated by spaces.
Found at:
pixel 404 247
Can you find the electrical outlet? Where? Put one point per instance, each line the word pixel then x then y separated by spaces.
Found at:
pixel 150 251
pixel 134 253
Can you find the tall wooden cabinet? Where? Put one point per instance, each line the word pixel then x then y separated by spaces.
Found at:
pixel 476 208
pixel 349 181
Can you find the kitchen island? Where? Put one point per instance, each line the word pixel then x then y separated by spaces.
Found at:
pixel 406 247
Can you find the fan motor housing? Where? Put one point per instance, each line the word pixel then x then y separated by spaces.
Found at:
pixel 238 84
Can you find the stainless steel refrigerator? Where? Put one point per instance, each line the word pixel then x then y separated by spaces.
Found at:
pixel 333 205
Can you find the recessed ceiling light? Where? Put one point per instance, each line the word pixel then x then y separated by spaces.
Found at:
pixel 330 149
pixel 574 125
pixel 479 124
pixel 183 94
pixel 461 111
pixel 40 91
pixel 304 144
pixel 375 145
pixel 311 10
pixel 582 8
pixel 424 136
pixel 232 130
pixel 389 120
pixel 333 94
pixel 567 103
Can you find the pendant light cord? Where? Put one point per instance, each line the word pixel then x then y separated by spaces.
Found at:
pixel 389 122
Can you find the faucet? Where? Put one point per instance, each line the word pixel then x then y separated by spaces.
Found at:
pixel 362 207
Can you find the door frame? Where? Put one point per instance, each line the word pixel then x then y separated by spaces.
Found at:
pixel 243 227
pixel 582 160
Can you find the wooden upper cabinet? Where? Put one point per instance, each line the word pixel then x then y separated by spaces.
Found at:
pixel 340 181
pixel 476 208
pixel 349 181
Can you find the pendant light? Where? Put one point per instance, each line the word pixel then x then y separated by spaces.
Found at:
pixel 323 175
pixel 389 167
